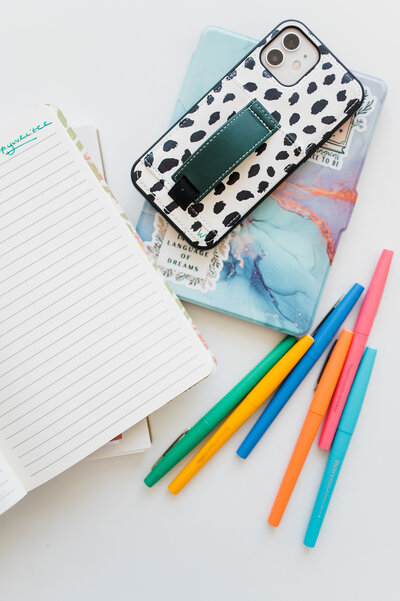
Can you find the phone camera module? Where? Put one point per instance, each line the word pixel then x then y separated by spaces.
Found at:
pixel 291 41
pixel 275 57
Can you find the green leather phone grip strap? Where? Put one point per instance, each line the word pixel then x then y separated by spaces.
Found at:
pixel 221 153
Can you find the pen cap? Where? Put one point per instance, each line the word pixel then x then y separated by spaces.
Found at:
pixel 335 318
pixel 374 294
pixel 357 393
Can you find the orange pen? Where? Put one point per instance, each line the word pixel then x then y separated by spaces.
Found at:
pixel 319 406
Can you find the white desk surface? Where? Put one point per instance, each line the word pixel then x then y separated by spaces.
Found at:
pixel 96 532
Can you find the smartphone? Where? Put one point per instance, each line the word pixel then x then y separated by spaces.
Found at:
pixel 248 133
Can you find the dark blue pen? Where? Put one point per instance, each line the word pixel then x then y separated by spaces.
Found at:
pixel 322 337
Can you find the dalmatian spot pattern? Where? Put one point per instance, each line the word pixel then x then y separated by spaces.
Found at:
pixel 214 117
pixel 250 86
pixel 272 94
pixel 210 236
pixel 261 149
pixel 282 155
pixel 350 105
pixel 186 155
pixel 319 102
pixel 218 207
pixel 289 168
pixel 186 122
pixel 318 106
pixel 195 210
pixel 157 186
pixel 198 135
pixel 231 219
pixel 262 186
pixel 347 77
pixel 250 63
pixel 244 195
pixel 233 178
pixel 167 165
pixel 149 159
pixel 329 79
pixel 169 145
pixel 289 139
pixel 219 188
pixel 254 170
pixel 328 119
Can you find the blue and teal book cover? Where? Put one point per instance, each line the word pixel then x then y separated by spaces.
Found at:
pixel 271 270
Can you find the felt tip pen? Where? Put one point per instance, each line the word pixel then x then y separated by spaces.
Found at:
pixel 319 405
pixel 362 329
pixel 322 337
pixel 343 436
pixel 202 428
pixel 243 411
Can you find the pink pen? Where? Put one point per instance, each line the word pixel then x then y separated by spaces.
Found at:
pixel 362 329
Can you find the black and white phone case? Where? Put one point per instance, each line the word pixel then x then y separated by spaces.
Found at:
pixel 266 128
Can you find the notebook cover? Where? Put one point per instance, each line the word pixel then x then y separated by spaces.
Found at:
pixel 273 267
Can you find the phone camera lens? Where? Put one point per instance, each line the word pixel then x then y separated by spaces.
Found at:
pixel 291 41
pixel 275 57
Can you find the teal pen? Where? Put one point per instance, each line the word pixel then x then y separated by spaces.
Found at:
pixel 341 442
pixel 183 445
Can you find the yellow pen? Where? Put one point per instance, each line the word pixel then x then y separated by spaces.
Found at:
pixel 247 407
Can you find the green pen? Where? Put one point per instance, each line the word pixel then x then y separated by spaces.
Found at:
pixel 189 439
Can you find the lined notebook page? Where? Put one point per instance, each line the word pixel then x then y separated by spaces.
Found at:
pixel 91 340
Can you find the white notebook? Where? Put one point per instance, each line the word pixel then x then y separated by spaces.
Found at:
pixel 91 338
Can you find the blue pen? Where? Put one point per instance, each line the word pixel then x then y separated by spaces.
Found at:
pixel 322 338
pixel 340 444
